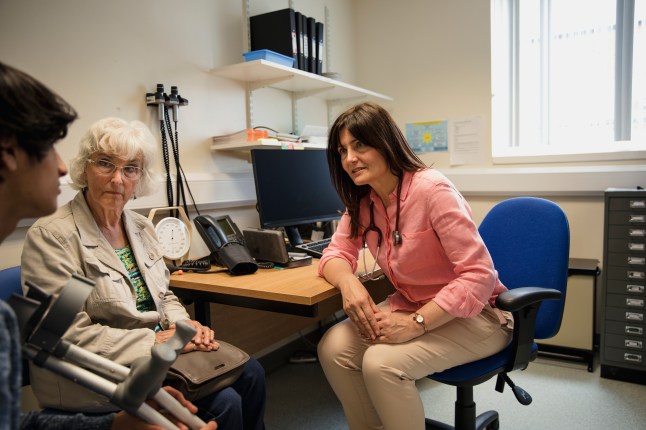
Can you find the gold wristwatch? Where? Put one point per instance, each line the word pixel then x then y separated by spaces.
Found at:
pixel 419 319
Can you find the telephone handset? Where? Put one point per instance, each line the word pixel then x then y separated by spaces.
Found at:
pixel 226 243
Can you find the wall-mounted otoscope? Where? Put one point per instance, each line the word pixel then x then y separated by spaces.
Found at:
pixel 158 98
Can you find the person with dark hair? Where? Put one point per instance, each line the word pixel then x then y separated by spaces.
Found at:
pixel 420 231
pixel 32 120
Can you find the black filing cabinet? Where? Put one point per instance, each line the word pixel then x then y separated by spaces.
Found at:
pixel 623 340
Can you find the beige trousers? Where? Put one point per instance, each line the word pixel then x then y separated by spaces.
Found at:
pixel 376 383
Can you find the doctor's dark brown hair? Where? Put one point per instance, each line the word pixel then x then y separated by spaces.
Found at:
pixel 31 113
pixel 371 125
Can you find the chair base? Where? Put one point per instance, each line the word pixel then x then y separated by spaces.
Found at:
pixel 485 421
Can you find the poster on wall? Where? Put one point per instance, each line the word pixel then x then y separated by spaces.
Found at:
pixel 429 136
pixel 465 137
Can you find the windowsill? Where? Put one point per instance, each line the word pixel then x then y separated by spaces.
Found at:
pixel 546 181
pixel 517 157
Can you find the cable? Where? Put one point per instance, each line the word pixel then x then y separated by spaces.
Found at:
pixel 169 183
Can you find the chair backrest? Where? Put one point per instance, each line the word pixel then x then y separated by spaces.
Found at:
pixel 10 282
pixel 529 241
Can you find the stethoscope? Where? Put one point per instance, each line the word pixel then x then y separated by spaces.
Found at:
pixel 397 237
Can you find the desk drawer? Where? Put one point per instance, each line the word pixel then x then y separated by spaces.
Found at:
pixel 625 315
pixel 628 329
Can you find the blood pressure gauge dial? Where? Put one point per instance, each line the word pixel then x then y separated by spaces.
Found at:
pixel 173 234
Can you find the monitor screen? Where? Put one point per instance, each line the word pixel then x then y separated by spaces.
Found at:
pixel 293 187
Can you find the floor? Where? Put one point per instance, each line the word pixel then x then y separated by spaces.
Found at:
pixel 565 396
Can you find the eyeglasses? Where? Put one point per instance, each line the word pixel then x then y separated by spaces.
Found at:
pixel 107 167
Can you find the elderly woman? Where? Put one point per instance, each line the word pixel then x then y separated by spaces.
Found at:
pixel 131 307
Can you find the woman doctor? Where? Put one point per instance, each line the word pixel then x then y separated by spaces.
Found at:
pixel 420 230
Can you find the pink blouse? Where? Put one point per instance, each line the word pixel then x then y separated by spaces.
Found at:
pixel 442 256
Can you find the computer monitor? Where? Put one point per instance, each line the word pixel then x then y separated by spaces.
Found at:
pixel 293 187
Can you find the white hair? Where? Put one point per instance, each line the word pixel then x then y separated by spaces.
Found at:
pixel 125 140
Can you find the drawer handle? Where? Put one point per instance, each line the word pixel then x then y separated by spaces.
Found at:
pixel 637 204
pixel 629 329
pixel 634 316
pixel 637 303
pixel 633 274
pixel 637 260
pixel 636 232
pixel 637 358
pixel 635 288
pixel 636 246
pixel 637 218
pixel 634 344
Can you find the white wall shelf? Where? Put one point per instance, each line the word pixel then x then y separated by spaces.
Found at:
pixel 264 144
pixel 266 74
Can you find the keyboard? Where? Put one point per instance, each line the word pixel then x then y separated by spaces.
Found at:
pixel 315 249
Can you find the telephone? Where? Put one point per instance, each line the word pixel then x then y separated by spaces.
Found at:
pixel 226 243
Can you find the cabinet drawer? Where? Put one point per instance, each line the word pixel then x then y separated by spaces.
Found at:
pixel 624 301
pixel 626 232
pixel 621 341
pixel 627 329
pixel 636 246
pixel 626 273
pixel 626 287
pixel 623 356
pixel 627 203
pixel 625 315
pixel 627 218
pixel 637 261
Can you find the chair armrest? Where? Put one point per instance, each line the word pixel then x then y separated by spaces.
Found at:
pixel 518 298
pixel 524 303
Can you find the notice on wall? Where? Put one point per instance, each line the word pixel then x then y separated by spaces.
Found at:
pixel 430 136
pixel 465 140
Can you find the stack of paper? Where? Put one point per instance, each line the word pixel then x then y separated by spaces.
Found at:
pixel 245 135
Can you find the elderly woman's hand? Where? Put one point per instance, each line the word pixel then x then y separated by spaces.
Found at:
pixel 204 339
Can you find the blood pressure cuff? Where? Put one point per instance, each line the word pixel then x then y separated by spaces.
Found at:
pixel 235 257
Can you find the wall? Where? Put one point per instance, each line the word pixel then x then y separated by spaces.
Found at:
pixel 104 56
pixel 433 58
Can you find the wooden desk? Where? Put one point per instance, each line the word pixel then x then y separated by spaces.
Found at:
pixel 295 291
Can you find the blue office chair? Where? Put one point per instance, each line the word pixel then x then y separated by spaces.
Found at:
pixel 10 284
pixel 529 241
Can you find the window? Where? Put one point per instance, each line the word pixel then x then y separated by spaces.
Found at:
pixel 568 80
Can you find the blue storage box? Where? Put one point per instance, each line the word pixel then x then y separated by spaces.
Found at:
pixel 266 54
